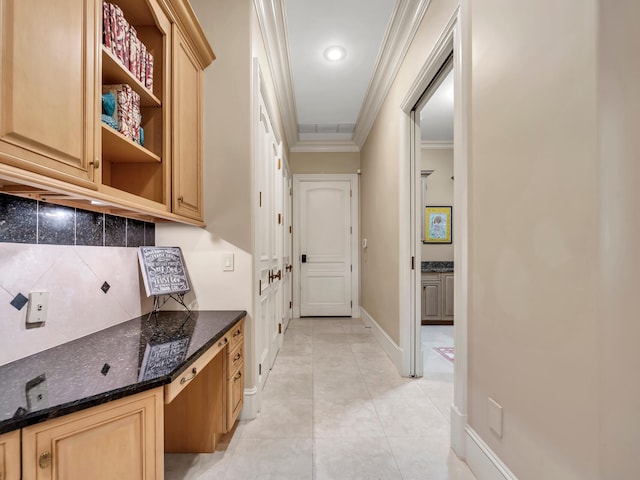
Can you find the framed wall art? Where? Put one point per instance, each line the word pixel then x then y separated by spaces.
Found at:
pixel 437 222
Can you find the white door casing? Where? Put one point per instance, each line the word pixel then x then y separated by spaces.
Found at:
pixel 326 234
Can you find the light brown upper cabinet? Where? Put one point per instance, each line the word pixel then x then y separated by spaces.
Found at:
pixel 47 88
pixel 187 129
pixel 53 143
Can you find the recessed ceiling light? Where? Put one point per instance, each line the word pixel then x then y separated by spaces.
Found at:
pixel 335 53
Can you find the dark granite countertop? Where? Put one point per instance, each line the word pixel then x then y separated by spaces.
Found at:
pixel 137 355
pixel 437 267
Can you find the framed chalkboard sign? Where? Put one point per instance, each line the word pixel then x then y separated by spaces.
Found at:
pixel 163 270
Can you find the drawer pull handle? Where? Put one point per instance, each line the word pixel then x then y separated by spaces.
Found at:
pixel 223 342
pixel 190 377
pixel 238 375
pixel 44 461
pixel 236 333
pixel 237 357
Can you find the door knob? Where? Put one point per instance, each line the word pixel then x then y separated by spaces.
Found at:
pixel 288 268
pixel 278 275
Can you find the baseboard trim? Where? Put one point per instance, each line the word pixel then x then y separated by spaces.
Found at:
pixel 250 408
pixel 388 345
pixel 482 461
pixel 458 425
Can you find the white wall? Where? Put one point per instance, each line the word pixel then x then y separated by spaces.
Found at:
pixel 533 307
pixel 77 305
pixel 618 332
pixel 227 171
pixel 380 163
pixel 439 193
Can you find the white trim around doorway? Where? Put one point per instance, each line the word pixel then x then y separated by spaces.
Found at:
pixel 450 40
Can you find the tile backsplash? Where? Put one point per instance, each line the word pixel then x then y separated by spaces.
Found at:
pixel 23 220
pixel 72 254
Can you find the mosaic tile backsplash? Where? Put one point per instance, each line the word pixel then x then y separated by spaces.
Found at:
pixel 49 248
pixel 24 220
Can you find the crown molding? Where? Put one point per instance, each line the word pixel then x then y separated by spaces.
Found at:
pixel 325 146
pixel 402 29
pixel 432 144
pixel 273 27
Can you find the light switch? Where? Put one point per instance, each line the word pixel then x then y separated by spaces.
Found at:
pixel 227 262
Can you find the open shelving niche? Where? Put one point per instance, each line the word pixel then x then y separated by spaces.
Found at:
pixel 140 171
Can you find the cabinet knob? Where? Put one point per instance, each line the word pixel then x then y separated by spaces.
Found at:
pixel 44 460
pixel 95 163
pixel 181 199
pixel 238 375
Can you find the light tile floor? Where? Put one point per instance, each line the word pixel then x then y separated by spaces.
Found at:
pixel 335 407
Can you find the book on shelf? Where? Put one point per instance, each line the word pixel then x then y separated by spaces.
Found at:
pixel 122 39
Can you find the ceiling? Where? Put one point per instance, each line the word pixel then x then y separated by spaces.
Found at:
pixel 331 106
pixel 329 94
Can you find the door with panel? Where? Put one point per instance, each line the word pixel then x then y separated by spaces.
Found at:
pixel 287 225
pixel 325 224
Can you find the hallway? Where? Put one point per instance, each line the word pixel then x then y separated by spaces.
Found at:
pixel 335 407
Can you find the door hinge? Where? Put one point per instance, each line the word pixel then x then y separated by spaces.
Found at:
pixel 290 305
pixel 352 268
pixel 279 218
pixel 351 303
pixel 290 191
pixel 259 369
pixel 280 328
pixel 413 263
pixel 351 230
pixel 290 229
pixel 259 287
pixel 260 198
pixel 279 165
pixel 351 193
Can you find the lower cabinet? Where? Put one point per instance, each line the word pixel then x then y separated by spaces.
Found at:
pixel 10 456
pixel 121 439
pixel 437 298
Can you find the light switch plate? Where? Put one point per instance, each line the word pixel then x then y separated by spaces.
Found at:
pixel 227 262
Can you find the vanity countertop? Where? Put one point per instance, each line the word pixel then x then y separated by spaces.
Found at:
pixel 437 267
pixel 137 355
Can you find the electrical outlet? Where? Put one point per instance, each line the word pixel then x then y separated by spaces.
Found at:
pixel 495 417
pixel 38 309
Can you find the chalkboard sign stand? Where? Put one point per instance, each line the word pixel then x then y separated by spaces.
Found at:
pixel 158 301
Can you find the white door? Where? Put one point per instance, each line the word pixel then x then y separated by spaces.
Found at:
pixel 325 223
pixel 287 274
pixel 268 243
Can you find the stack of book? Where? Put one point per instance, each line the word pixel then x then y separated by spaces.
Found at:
pixel 122 39
pixel 127 111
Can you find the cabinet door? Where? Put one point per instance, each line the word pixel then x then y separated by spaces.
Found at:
pixel 10 456
pixel 47 87
pixel 431 300
pixel 235 396
pixel 121 439
pixel 187 129
pixel 447 296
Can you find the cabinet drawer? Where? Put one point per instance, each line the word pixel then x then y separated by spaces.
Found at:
pixel 235 395
pixel 235 358
pixel 236 334
pixel 172 390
